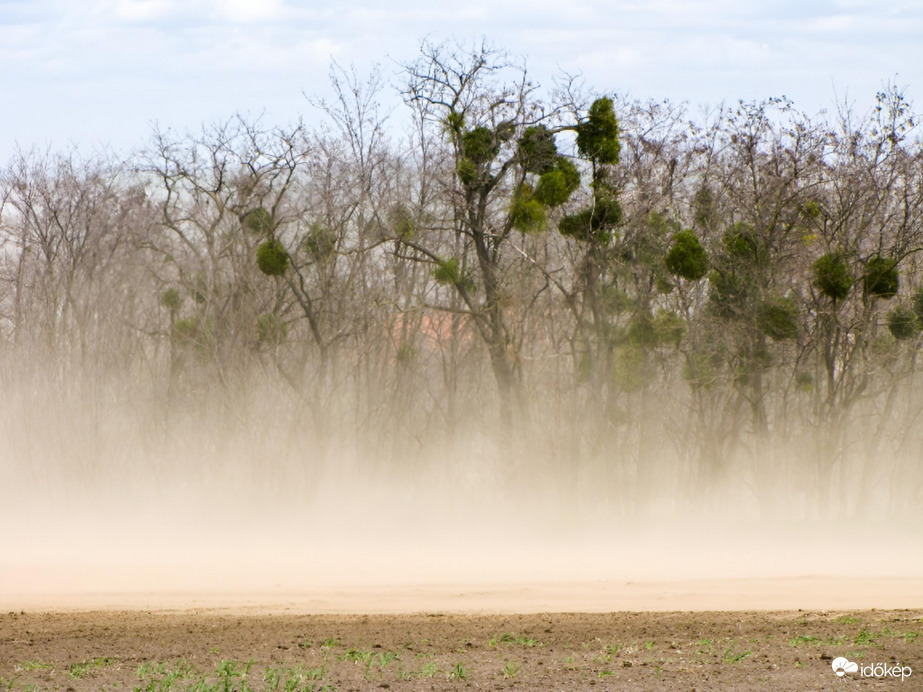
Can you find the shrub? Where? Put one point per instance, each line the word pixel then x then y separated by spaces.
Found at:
pixel 402 222
pixel 505 130
pixel 630 370
pixel 272 258
pixel 467 171
pixel 537 149
pixel 454 121
pixel 742 243
pixel 598 135
pixel 193 332
pixel 777 318
pixel 593 225
pixel 687 258
pixel 804 381
pixel 480 145
pixel 703 206
pixel 810 209
pixel 832 276
pixel 728 292
pixel 917 301
pixel 270 329
pixel 641 331
pixel 569 171
pixel 449 273
pixel 669 327
pixel 320 242
pixel 170 299
pixel 527 212
pixel 556 185
pixel 903 323
pixel 701 370
pixel 258 221
pixel 881 279
pixel 186 330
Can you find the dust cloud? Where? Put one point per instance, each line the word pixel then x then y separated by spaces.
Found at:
pixel 655 359
pixel 115 497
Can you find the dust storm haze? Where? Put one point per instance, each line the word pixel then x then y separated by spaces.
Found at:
pixel 243 499
pixel 583 341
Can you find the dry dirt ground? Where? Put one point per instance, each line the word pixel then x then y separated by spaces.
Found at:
pixel 239 650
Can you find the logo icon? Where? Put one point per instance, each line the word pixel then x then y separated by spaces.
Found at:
pixel 842 665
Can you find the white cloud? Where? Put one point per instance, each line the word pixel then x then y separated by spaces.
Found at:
pixel 104 68
pixel 247 10
pixel 141 10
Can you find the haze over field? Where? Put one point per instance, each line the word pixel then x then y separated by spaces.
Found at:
pixel 455 326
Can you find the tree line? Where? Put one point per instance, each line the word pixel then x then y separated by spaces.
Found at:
pixel 615 274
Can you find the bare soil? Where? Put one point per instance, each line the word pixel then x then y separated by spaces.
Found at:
pixel 243 649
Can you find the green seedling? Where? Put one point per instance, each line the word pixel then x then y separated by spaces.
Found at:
pixel 35 665
pixel 510 670
pixel 501 639
pixel 429 670
pixel 612 649
pixel 228 671
pixel 291 679
pixel 510 638
pixel 458 672
pixel 357 655
pixel 864 638
pixel 382 661
pixel 386 658
pixel 81 670
pixel 730 657
pixel 160 676
pixel 803 639
pixel 274 677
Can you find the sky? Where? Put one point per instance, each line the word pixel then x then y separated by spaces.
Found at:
pixel 99 73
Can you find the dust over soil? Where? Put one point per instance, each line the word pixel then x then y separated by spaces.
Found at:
pixel 236 650
pixel 135 601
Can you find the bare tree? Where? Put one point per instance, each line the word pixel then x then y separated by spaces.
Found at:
pixel 221 195
pixel 503 173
